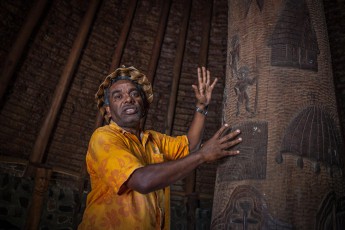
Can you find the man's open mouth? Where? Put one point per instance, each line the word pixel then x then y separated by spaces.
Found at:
pixel 130 110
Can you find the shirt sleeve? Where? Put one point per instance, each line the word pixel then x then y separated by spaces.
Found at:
pixel 110 160
pixel 174 147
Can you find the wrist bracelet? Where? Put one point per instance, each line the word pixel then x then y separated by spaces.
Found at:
pixel 203 112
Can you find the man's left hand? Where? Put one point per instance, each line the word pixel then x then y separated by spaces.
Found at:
pixel 203 92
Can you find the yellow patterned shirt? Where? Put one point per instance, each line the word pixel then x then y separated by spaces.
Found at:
pixel 113 155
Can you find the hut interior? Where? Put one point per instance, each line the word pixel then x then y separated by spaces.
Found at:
pixel 53 57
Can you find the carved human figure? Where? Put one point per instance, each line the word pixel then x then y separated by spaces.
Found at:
pixel 241 89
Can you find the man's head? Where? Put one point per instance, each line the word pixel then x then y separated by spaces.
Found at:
pixel 124 95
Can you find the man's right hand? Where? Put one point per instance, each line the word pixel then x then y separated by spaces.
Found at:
pixel 219 145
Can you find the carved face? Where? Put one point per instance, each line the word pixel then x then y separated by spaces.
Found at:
pixel 126 106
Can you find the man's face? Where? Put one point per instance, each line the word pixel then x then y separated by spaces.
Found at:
pixel 126 106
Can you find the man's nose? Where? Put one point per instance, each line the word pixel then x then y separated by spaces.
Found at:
pixel 128 98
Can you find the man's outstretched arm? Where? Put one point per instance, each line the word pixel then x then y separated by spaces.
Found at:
pixel 157 176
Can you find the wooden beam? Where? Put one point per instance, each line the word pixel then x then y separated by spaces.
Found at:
pixel 42 178
pixel 123 36
pixel 17 49
pixel 13 160
pixel 203 54
pixel 156 50
pixel 192 197
pixel 117 56
pixel 176 78
pixel 20 161
pixel 61 89
pixel 178 67
pixel 205 39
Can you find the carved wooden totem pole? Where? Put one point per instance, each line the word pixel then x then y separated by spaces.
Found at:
pixel 280 94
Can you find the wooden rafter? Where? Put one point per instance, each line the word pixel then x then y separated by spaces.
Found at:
pixel 16 51
pixel 163 21
pixel 120 46
pixel 177 67
pixel 61 89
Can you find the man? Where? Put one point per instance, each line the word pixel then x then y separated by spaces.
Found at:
pixel 130 168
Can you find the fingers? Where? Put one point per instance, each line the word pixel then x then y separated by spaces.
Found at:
pixel 232 153
pixel 230 136
pixel 229 144
pixel 220 131
pixel 228 140
pixel 208 77
pixel 204 75
pixel 196 90
pixel 201 80
pixel 214 83
pixel 199 77
pixel 204 87
pixel 220 145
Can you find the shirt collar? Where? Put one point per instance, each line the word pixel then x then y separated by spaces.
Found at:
pixel 144 134
pixel 112 124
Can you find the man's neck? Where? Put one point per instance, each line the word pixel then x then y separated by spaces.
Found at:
pixel 135 130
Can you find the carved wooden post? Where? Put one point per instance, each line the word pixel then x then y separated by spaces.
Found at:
pixel 280 94
pixel 42 179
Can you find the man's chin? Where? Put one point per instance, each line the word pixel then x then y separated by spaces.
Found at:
pixel 130 120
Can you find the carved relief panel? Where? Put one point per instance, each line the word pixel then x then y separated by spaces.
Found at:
pixel 247 209
pixel 294 42
pixel 313 134
pixel 251 162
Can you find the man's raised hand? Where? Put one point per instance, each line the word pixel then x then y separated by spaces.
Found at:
pixel 203 92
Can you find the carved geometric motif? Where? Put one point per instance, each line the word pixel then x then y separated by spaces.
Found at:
pixel 248 3
pixel 294 41
pixel 314 135
pixel 246 209
pixel 251 162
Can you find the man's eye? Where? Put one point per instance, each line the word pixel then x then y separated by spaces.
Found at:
pixel 117 96
pixel 135 94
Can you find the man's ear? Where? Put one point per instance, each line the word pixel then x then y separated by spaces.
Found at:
pixel 107 109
